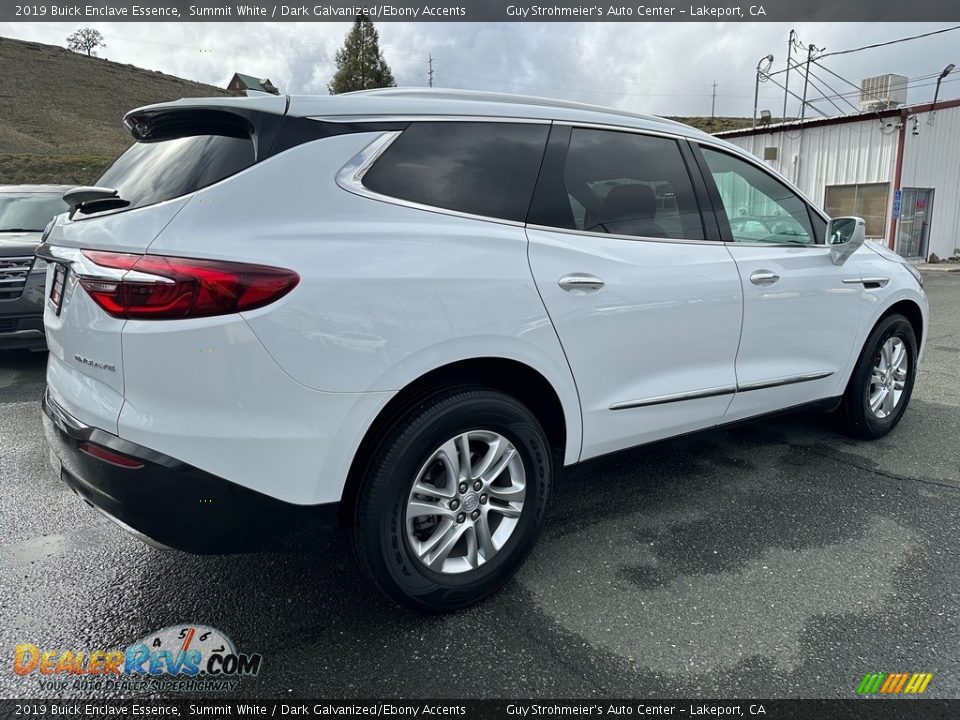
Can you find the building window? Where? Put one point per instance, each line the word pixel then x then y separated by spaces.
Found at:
pixel 868 201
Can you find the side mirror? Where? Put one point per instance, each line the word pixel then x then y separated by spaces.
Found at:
pixel 844 236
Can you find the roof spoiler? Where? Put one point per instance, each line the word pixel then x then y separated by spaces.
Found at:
pixel 90 198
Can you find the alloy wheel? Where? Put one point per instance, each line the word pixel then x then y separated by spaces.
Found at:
pixel 889 377
pixel 465 502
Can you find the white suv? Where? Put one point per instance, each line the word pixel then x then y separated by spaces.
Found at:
pixel 406 310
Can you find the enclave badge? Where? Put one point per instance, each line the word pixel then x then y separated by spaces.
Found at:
pixel 94 363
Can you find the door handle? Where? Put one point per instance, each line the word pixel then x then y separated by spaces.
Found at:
pixel 764 277
pixel 580 283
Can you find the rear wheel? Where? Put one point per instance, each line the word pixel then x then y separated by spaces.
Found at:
pixel 453 499
pixel 882 380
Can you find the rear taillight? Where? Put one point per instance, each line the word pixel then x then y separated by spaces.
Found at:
pixel 172 288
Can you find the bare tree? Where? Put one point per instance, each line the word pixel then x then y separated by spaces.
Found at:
pixel 86 40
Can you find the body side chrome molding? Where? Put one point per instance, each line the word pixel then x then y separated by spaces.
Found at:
pixel 677 397
pixel 788 380
pixel 722 390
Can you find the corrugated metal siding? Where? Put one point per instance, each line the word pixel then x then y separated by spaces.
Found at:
pixel 931 159
pixel 865 152
pixel 860 152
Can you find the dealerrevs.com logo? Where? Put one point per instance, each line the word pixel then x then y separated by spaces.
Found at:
pixel 186 657
pixel 894 683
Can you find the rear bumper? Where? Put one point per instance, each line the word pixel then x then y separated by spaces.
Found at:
pixel 170 504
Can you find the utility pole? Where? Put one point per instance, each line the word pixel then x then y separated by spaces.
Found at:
pixel 713 101
pixel 429 69
pixel 786 82
pixel 806 79
pixel 803 112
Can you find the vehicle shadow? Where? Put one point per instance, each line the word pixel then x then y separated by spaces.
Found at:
pixel 663 523
pixel 22 375
pixel 293 607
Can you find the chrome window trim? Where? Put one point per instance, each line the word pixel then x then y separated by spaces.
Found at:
pixel 798 246
pixel 350 176
pixel 631 238
pixel 721 390
pixel 709 141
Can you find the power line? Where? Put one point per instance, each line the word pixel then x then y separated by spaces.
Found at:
pixel 793 94
pixel 824 95
pixel 890 42
pixel 835 93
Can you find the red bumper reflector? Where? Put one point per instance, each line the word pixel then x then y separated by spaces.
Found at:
pixel 109 456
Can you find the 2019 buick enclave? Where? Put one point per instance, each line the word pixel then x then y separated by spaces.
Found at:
pixel 409 309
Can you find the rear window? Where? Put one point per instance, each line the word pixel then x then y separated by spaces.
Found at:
pixel 161 169
pixel 479 168
pixel 29 211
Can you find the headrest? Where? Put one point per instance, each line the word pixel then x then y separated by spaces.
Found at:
pixel 629 202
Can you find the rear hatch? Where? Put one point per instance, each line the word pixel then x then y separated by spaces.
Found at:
pixel 179 149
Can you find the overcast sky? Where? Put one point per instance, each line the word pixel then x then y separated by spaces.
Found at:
pixel 664 68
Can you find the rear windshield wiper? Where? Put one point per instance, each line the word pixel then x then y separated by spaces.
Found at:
pixel 21 230
pixel 88 200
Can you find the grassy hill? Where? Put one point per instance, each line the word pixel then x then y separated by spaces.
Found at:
pixel 717 124
pixel 61 113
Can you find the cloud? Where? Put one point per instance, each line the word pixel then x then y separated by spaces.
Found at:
pixel 663 68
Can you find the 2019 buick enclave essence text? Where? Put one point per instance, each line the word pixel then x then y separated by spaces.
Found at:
pixel 406 310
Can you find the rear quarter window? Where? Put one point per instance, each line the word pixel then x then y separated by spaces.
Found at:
pixel 480 168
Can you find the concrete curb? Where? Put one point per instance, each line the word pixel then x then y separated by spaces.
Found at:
pixel 938 267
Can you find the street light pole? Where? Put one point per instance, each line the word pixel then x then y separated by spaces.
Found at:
pixel 936 93
pixel 756 86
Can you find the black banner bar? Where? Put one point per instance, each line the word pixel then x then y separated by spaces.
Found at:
pixel 869 709
pixel 481 10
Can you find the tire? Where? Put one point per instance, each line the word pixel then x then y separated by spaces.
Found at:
pixel 399 541
pixel 856 415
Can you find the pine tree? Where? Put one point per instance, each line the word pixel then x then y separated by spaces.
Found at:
pixel 360 64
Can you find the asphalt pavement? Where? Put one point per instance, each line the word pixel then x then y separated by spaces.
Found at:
pixel 777 559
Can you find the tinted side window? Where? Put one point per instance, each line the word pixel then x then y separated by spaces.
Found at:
pixel 759 207
pixel 623 184
pixel 479 168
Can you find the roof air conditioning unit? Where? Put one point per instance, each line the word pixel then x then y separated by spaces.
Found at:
pixel 883 91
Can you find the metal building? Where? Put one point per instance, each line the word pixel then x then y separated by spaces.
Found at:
pixel 899 169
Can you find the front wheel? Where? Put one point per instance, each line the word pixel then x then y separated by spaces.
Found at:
pixel 453 499
pixel 882 380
